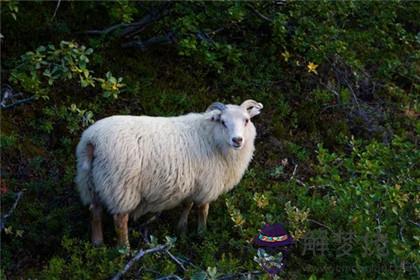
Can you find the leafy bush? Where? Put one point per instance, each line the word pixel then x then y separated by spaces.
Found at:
pixel 46 65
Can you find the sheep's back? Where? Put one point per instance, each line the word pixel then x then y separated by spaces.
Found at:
pixel 140 163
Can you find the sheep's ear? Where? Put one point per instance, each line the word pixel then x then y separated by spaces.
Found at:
pixel 214 115
pixel 253 107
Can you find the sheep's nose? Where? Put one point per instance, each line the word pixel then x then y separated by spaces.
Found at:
pixel 237 140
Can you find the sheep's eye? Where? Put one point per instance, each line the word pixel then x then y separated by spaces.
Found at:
pixel 224 124
pixel 246 121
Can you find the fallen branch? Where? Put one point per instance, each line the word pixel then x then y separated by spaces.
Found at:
pixel 9 95
pixel 137 257
pixel 176 260
pixel 5 217
pixel 17 103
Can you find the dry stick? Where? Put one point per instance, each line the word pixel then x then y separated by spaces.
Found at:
pixel 294 172
pixel 175 259
pixel 296 179
pixel 137 257
pixel 56 9
pixel 17 103
pixel 320 224
pixel 414 223
pixel 4 218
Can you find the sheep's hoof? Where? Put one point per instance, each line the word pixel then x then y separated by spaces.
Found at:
pixel 97 243
pixel 182 229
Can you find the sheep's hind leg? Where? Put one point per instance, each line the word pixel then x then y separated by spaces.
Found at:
pixel 95 208
pixel 183 220
pixel 121 228
pixel 96 222
pixel 203 211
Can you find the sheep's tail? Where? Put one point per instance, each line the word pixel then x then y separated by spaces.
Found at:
pixel 84 155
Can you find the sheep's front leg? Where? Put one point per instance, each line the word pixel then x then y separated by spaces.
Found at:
pixel 203 211
pixel 121 227
pixel 183 220
pixel 96 223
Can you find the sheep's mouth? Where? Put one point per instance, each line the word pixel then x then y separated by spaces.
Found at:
pixel 236 146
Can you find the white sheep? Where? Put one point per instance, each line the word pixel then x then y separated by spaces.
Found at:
pixel 140 164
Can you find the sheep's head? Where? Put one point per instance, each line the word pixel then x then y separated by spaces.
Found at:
pixel 235 120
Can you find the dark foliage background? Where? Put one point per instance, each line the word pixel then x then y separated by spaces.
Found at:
pixel 337 150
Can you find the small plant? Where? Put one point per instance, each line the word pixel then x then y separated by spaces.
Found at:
pixel 298 220
pixel 37 71
pixel 235 215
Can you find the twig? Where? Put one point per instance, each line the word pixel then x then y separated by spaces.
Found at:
pixel 109 29
pixel 133 27
pixel 296 179
pixel 17 103
pixel 414 223
pixel 146 20
pixel 168 38
pixel 401 233
pixel 176 260
pixel 137 257
pixel 294 172
pixel 320 224
pixel 5 217
pixel 258 13
pixel 56 9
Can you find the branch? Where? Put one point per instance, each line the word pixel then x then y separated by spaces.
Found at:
pixel 414 223
pixel 258 13
pixel 8 94
pixel 108 30
pixel 56 9
pixel 176 260
pixel 146 20
pixel 5 217
pixel 134 27
pixel 297 180
pixel 294 172
pixel 137 257
pixel 17 103
pixel 168 38
pixel 320 224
